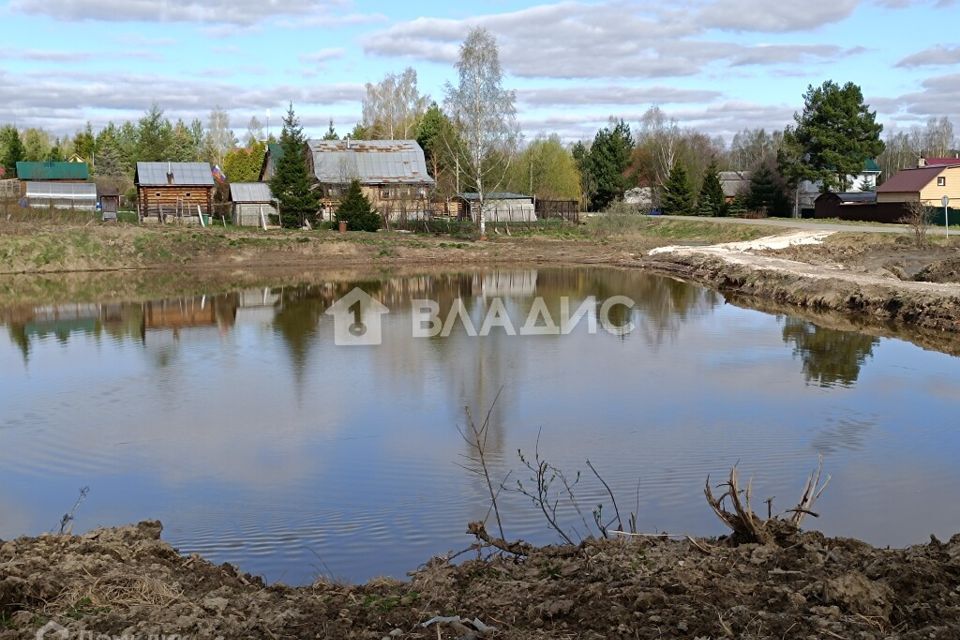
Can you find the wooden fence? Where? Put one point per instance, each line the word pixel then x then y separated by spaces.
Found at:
pixel 565 209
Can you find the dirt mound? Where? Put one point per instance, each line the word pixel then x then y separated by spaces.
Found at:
pixel 126 581
pixel 940 271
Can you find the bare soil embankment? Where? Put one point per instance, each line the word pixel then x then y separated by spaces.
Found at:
pixel 127 581
pixel 820 282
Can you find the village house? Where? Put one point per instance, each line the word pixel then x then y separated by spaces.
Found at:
pixel 926 184
pixel 734 183
pixel 168 191
pixel 392 173
pixel 866 180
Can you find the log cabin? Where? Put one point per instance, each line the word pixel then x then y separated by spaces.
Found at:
pixel 174 191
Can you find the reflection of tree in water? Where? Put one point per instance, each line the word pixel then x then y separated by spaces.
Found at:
pixel 829 357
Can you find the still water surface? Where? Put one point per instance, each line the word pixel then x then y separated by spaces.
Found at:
pixel 236 420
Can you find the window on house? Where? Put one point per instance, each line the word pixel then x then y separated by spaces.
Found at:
pixel 942 181
pixel 186 195
pixel 158 194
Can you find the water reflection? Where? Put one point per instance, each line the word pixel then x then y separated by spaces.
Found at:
pixel 236 420
pixel 829 357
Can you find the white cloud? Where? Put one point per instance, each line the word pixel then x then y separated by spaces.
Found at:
pixel 322 56
pixel 238 12
pixel 934 56
pixel 774 17
pixel 610 94
pixel 617 39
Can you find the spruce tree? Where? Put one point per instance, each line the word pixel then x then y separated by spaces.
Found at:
pixel 292 184
pixel 677 197
pixel 355 209
pixel 767 193
pixel 712 201
pixel 11 150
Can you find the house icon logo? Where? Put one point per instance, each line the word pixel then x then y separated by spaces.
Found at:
pixel 52 631
pixel 356 319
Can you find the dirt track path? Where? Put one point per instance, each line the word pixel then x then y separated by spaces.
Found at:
pixel 812 225
pixel 743 254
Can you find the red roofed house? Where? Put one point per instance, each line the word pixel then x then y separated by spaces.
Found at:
pixel 927 184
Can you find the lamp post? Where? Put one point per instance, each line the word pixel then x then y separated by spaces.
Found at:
pixel 945 201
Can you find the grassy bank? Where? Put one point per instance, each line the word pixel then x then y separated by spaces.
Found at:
pixel 55 248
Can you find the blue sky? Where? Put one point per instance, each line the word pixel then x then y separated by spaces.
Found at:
pixel 716 66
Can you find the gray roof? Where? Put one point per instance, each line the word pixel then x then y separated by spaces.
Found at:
pixel 193 174
pixel 734 181
pixel 250 192
pixel 62 190
pixel 369 161
pixel 496 195
pixel 852 196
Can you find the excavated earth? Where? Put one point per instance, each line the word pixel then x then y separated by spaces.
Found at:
pixel 128 582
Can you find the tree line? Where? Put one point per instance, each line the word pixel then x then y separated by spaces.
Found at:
pixel 472 142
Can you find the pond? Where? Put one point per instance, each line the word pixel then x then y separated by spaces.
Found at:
pixel 239 421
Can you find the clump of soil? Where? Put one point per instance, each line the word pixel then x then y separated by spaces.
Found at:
pixel 127 581
pixel 940 271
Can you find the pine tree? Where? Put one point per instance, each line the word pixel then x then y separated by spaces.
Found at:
pixel 355 209
pixel 712 201
pixel 292 183
pixel 677 197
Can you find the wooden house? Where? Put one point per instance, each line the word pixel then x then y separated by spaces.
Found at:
pixel 392 173
pixel 253 204
pixel 168 191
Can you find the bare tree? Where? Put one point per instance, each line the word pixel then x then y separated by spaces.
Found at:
pixel 254 131
pixel 219 139
pixel 919 216
pixel 486 116
pixel 393 106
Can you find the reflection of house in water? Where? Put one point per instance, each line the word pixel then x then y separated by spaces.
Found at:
pixel 257 306
pixel 176 314
pixel 505 283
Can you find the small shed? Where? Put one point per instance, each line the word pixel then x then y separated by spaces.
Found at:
pixel 499 207
pixel 79 196
pixel 109 197
pixel 253 204
pixel 174 190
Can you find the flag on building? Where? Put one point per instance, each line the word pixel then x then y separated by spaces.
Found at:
pixel 219 175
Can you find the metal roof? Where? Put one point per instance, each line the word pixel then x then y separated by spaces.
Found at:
pixel 369 161
pixel 910 180
pixel 193 174
pixel 250 192
pixel 497 195
pixel 62 190
pixel 852 196
pixel 732 182
pixel 942 162
pixel 53 171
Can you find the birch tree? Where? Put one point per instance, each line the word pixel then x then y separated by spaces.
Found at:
pixel 393 107
pixel 486 115
pixel 220 138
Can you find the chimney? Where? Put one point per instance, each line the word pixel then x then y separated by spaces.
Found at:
pixel 169 173
pixel 921 162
